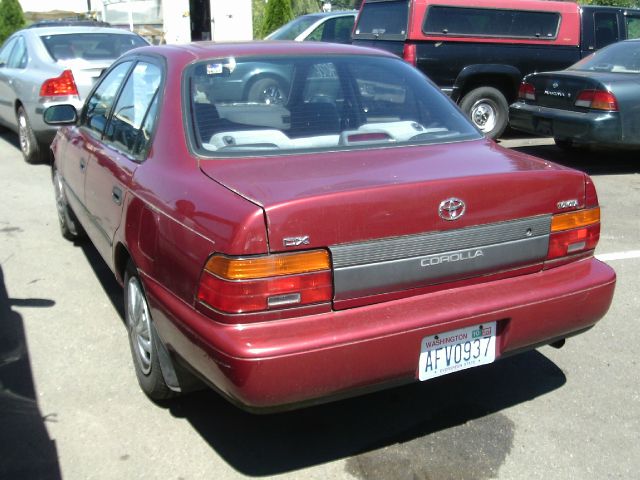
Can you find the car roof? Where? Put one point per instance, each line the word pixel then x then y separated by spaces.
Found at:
pixel 337 13
pixel 205 50
pixel 60 30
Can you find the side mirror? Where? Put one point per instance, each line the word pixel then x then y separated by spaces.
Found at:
pixel 60 115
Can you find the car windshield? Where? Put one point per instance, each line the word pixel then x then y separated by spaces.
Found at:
pixel 90 46
pixel 623 57
pixel 292 29
pixel 268 105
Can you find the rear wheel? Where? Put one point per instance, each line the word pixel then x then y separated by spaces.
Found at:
pixel 143 339
pixel 70 228
pixel 488 110
pixel 32 151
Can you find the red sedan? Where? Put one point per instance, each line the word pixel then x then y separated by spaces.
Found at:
pixel 294 223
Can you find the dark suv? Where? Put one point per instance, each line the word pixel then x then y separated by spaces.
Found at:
pixel 479 54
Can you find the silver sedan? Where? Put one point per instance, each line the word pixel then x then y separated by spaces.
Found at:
pixel 40 67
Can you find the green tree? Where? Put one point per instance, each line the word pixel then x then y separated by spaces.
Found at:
pixel 302 7
pixel 257 11
pixel 615 3
pixel 277 13
pixel 11 18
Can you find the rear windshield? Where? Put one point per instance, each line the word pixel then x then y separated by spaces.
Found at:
pixel 292 29
pixel 623 57
pixel 90 46
pixel 283 104
pixel 383 19
pixel 486 22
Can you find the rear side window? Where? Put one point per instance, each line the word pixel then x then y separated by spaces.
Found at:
pixel 606 25
pixel 90 46
pixel 296 104
pixel 633 27
pixel 383 19
pixel 19 57
pixel 484 22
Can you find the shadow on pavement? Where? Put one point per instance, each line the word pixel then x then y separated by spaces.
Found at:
pixel 371 426
pixel 26 451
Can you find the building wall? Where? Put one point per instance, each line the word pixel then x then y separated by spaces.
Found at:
pixel 232 20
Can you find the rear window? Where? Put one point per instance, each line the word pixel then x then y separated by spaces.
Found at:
pixel 90 46
pixel 292 29
pixel 621 57
pixel 383 19
pixel 484 22
pixel 264 106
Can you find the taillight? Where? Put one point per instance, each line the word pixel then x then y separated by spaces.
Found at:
pixel 270 282
pixel 409 54
pixel 64 85
pixel 527 91
pixel 574 232
pixel 597 100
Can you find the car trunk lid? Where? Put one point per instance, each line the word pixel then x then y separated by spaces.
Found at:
pixel 561 89
pixel 388 216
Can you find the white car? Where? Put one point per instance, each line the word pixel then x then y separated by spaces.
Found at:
pixel 44 66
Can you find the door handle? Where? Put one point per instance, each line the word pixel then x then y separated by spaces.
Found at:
pixel 116 195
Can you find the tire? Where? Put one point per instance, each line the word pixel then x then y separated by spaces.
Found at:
pixel 564 144
pixel 488 110
pixel 268 90
pixel 70 227
pixel 142 338
pixel 32 151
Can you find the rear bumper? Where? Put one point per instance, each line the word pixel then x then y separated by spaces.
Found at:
pixel 587 128
pixel 306 359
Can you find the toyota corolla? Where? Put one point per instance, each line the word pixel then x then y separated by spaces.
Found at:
pixel 359 234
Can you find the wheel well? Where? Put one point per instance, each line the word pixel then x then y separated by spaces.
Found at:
pixel 502 83
pixel 16 107
pixel 121 259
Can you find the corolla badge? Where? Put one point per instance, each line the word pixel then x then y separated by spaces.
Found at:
pixel 451 209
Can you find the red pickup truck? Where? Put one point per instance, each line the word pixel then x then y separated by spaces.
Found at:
pixel 478 51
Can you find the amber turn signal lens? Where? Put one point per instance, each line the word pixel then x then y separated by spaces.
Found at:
pixel 268 266
pixel 581 218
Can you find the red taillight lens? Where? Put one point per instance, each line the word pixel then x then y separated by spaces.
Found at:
pixel 597 100
pixel 64 85
pixel 409 54
pixel 242 285
pixel 527 91
pixel 574 232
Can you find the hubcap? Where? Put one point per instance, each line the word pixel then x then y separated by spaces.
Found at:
pixel 484 115
pixel 272 95
pixel 25 141
pixel 139 321
pixel 61 201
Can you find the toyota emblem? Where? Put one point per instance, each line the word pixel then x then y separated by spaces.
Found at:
pixel 451 209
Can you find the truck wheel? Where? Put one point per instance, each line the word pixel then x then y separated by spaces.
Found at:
pixel 142 339
pixel 488 110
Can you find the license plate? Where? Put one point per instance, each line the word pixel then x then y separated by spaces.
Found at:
pixel 457 350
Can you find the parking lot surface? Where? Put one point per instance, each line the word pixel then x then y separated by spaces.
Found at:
pixel 70 406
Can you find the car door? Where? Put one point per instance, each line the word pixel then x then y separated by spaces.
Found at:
pixel 83 141
pixel 123 147
pixel 7 113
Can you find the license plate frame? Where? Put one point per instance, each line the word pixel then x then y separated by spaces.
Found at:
pixel 457 350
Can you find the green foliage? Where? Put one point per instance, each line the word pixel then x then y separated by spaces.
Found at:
pixel 302 7
pixel 11 18
pixel 277 13
pixel 257 10
pixel 616 3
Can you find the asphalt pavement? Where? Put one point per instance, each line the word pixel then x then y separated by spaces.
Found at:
pixel 70 406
